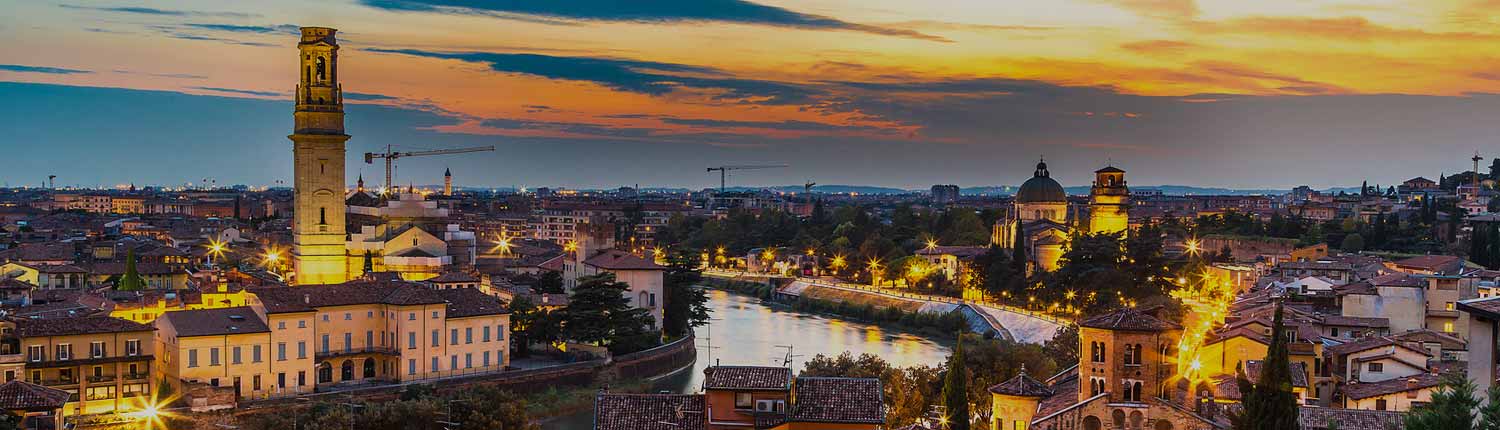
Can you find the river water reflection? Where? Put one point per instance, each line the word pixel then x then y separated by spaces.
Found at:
pixel 746 332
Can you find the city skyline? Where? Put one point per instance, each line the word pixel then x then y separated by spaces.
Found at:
pixel 583 95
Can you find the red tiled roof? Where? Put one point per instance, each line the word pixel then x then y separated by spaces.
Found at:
pixel 1130 319
pixel 1317 418
pixel 29 327
pixel 1367 390
pixel 747 378
pixel 838 400
pixel 1022 385
pixel 649 411
pixel 214 322
pixel 21 395
pixel 310 297
pixel 1064 394
pixel 469 302
pixel 614 259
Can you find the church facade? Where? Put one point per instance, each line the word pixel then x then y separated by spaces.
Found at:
pixel 1042 219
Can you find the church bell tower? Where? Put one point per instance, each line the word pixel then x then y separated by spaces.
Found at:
pixel 318 149
pixel 1109 201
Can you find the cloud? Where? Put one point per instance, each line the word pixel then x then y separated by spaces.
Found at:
pixel 155 11
pixel 198 37
pixel 1345 28
pixel 648 11
pixel 643 77
pixel 1159 47
pixel 367 96
pixel 260 29
pixel 1160 9
pixel 239 91
pixel 161 75
pixel 40 69
pixel 789 125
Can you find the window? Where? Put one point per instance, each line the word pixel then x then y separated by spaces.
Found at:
pixel 411 340
pixel 1129 354
pixel 500 333
pixel 743 401
pixel 1448 327
pixel 133 347
pixel 1379 404
pixel 213 356
pixel 453 336
pixel 348 316
pixel 653 300
pixel 255 354
pixel 280 351
pixel 411 366
pixel 468 335
pixel 325 317
pixel 486 337
pixel 301 323
pixel 36 353
pixel 411 316
pixel 281 380
pixel 96 349
pixel 324 347
pixel 369 338
pixel 434 315
pixel 137 390
pixel 348 341
pixel 255 383
pixel 234 355
pixel 301 349
pixel 453 362
pixel 468 360
pixel 1376 367
pixel 64 352
pixel 105 392
pixel 435 364
pixel 1448 306
pixel 192 358
pixel 437 337
pixel 281 325
pixel 485 361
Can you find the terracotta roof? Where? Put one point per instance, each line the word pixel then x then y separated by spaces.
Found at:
pixel 36 327
pixel 1368 343
pixel 649 412
pixel 1361 288
pixel 1399 280
pixel 453 277
pixel 1130 319
pixel 1487 307
pixel 1315 265
pixel 1064 394
pixel 1298 368
pixel 1340 320
pixel 1431 336
pixel 614 259
pixel 21 395
pixel 747 378
pixel 215 322
pixel 1436 263
pixel 1365 390
pixel 1317 418
pixel 838 400
pixel 14 284
pixel 140 267
pixel 310 297
pixel 469 302
pixel 1022 385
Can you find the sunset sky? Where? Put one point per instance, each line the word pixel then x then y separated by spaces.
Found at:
pixel 602 93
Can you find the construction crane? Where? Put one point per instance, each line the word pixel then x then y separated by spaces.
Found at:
pixel 391 156
pixel 724 170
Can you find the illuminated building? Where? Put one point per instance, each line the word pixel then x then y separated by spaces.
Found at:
pixel 318 147
pixel 103 363
pixel 408 235
pixel 1039 217
pixel 290 340
pixel 1109 201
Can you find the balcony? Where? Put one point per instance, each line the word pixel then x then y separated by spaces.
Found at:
pixel 59 382
pixel 87 361
pixel 101 378
pixel 137 376
pixel 377 350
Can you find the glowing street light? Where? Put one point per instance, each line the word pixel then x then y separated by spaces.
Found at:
pixel 1192 246
pixel 931 244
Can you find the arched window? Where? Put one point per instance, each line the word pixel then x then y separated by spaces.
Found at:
pixel 1092 423
pixel 369 368
pixel 325 373
pixel 346 371
pixel 1140 354
pixel 322 215
pixel 1129 354
pixel 322 69
pixel 307 74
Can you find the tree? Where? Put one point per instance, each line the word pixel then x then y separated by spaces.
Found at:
pixel 1452 407
pixel 955 390
pixel 132 280
pixel 1489 414
pixel 1353 243
pixel 1018 257
pixel 598 312
pixel 686 304
pixel 530 325
pixel 1063 347
pixel 549 282
pixel 1269 403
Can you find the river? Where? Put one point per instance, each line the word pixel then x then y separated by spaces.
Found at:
pixel 745 332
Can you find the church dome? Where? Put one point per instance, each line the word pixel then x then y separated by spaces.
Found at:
pixel 1041 188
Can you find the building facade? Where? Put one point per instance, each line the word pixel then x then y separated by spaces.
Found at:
pixel 318 149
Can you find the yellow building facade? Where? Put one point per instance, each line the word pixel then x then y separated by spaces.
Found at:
pixel 103 363
pixel 293 340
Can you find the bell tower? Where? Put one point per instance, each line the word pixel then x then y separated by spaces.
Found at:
pixel 1109 201
pixel 318 138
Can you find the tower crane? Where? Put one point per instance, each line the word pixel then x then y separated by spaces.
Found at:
pixel 391 156
pixel 724 172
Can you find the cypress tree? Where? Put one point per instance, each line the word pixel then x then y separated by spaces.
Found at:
pixel 131 281
pixel 1478 250
pixel 1269 403
pixel 956 390
pixel 1493 240
pixel 1018 250
pixel 369 265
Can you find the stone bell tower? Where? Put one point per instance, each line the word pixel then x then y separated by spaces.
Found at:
pixel 318 148
pixel 1109 201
